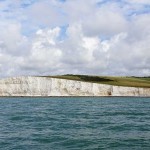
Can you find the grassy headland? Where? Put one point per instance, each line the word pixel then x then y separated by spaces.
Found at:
pixel 111 80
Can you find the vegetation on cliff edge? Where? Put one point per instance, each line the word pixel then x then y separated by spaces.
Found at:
pixel 111 80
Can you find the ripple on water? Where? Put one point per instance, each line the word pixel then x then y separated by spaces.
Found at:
pixel 74 123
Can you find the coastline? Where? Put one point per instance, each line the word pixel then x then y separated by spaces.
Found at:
pixel 74 96
pixel 52 87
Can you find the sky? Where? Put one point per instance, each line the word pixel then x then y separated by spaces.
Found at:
pixel 53 37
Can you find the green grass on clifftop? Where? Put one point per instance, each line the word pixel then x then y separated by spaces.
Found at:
pixel 111 80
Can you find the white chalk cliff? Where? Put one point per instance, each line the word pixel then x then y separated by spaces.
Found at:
pixel 44 86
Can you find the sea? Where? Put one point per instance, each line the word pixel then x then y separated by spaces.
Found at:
pixel 75 123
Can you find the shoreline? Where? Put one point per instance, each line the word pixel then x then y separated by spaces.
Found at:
pixel 74 96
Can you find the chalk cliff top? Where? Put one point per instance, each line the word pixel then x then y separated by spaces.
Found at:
pixel 110 80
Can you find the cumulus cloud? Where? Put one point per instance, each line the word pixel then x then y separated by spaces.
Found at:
pixel 44 54
pixel 46 13
pixel 78 37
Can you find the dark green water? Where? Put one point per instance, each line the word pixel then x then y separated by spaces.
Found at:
pixel 74 123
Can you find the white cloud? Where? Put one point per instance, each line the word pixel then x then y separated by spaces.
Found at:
pixel 44 54
pixel 11 37
pixel 47 13
pixel 106 21
pixel 97 39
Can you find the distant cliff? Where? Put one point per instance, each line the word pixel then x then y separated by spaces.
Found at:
pixel 44 86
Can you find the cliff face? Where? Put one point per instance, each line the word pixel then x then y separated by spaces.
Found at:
pixel 43 86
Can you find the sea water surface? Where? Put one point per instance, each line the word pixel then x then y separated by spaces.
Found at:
pixel 93 123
